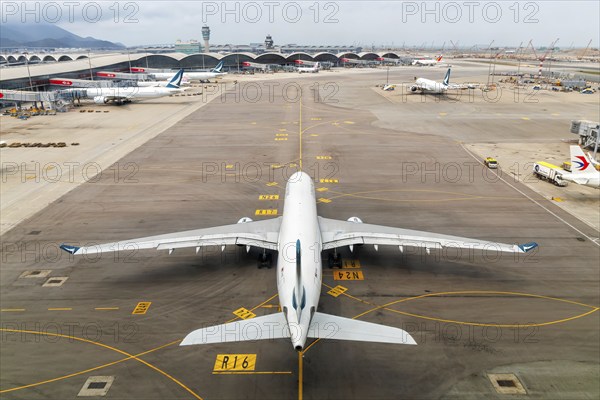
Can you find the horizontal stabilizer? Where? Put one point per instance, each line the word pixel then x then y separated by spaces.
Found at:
pixel 326 326
pixel 528 246
pixel 272 326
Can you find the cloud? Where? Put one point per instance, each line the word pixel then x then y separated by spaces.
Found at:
pixel 332 22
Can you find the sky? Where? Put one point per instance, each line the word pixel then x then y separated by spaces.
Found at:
pixel 363 23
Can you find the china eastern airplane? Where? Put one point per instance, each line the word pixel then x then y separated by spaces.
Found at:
pixel 583 170
pixel 194 76
pixel 299 236
pixel 428 62
pixel 121 95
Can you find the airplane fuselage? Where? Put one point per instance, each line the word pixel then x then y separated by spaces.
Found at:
pixel 425 62
pixel 299 278
pixel 427 85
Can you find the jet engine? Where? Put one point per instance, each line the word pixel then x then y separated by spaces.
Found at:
pixel 100 100
pixel 414 88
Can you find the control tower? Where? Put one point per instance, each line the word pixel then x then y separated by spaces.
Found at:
pixel 206 37
pixel 269 42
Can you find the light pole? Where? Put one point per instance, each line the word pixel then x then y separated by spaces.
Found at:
pixel 29 74
pixel 90 64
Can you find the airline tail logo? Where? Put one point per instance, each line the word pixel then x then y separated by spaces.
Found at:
pixel 176 79
pixel 439 59
pixel 582 164
pixel 578 160
pixel 447 78
pixel 218 67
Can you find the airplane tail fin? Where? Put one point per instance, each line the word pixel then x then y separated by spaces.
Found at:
pixel 218 68
pixel 446 80
pixel 579 162
pixel 272 326
pixel 326 326
pixel 439 59
pixel 176 80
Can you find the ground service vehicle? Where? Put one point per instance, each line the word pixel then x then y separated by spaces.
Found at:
pixel 548 172
pixel 491 163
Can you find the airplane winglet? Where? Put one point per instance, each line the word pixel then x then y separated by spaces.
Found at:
pixel 527 246
pixel 69 249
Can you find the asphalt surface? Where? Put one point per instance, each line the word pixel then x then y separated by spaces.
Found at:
pixel 471 314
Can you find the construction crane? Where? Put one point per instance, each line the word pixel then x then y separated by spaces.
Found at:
pixel 490 65
pixel 543 58
pixel 518 57
pixel 584 51
pixel 455 46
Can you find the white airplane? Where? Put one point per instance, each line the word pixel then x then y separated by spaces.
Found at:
pixel 430 62
pixel 314 69
pixel 194 76
pixel 299 236
pixel 583 170
pixel 177 80
pixel 120 95
pixel 428 86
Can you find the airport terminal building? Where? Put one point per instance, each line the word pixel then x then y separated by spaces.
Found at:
pixel 35 70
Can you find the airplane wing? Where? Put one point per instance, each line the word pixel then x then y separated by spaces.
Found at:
pixel 272 326
pixel 327 326
pixel 263 234
pixel 336 233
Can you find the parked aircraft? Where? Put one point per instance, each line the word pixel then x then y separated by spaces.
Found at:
pixel 120 95
pixel 194 76
pixel 299 236
pixel 427 85
pixel 177 78
pixel 314 69
pixel 430 62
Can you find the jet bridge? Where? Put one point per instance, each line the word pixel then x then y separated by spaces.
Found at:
pixel 22 96
pixel 588 133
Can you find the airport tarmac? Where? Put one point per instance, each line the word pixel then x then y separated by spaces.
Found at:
pixel 472 315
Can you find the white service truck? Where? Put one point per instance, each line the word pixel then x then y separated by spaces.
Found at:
pixel 549 172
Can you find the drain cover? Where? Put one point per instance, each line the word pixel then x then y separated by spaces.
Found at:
pixel 38 273
pixel 507 384
pixel 96 386
pixel 55 281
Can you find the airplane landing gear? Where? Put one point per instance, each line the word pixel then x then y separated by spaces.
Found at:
pixel 265 260
pixel 334 260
